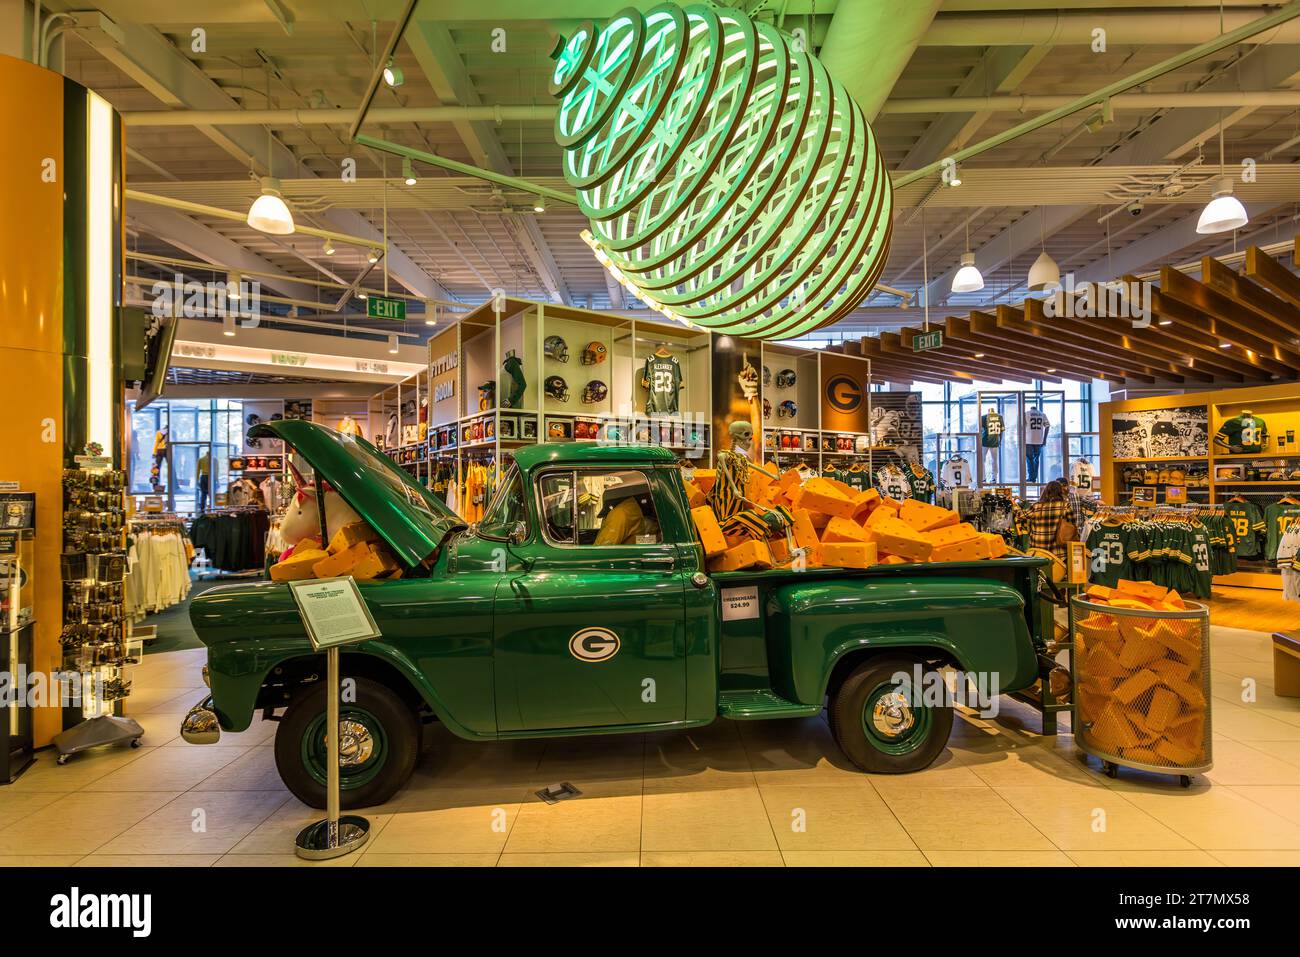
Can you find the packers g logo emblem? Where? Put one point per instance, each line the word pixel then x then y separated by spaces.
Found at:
pixel 594 644
pixel 843 393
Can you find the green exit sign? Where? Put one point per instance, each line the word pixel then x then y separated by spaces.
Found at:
pixel 927 341
pixel 377 307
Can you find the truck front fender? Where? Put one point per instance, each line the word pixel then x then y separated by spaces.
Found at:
pixel 977 623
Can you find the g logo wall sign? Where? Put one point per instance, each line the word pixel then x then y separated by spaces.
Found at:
pixel 594 644
pixel 843 393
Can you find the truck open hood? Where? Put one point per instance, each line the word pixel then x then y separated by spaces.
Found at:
pixel 411 520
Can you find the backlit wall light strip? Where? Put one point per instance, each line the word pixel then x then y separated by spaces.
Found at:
pixel 100 199
pixel 730 183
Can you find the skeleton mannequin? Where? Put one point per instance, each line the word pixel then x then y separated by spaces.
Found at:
pixel 737 513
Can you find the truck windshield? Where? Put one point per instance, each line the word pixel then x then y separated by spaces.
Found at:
pixel 506 509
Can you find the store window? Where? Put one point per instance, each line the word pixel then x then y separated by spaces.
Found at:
pixel 590 507
pixel 506 510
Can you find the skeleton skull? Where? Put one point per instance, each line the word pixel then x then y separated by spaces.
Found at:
pixel 742 435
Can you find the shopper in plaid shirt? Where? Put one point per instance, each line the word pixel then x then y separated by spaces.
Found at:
pixel 1045 516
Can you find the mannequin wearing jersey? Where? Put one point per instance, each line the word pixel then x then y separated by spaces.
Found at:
pixel 1037 427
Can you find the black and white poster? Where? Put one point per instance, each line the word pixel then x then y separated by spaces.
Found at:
pixel 1161 433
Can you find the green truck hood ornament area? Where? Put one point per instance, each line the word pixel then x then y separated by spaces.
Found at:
pixel 412 521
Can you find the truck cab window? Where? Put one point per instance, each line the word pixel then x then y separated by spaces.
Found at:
pixel 599 507
pixel 506 510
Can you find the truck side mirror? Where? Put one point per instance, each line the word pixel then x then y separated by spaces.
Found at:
pixel 519 534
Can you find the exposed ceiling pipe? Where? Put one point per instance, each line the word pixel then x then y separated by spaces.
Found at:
pixel 377 75
pixel 1075 27
pixel 868 45
pixel 1136 102
pixel 1254 27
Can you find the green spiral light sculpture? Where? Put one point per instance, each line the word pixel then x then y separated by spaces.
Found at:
pixel 730 183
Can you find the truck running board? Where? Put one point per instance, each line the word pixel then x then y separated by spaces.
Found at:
pixel 757 705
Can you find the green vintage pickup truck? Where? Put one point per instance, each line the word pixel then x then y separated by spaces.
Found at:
pixel 551 617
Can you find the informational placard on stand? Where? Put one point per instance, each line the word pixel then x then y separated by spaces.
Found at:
pixel 334 615
pixel 333 612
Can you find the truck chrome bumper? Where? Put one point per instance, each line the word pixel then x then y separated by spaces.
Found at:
pixel 200 726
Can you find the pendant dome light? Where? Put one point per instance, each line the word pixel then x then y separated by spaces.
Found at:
pixel 1224 211
pixel 269 213
pixel 1044 274
pixel 968 278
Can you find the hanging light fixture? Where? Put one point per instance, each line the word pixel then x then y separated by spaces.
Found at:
pixel 269 213
pixel 430 313
pixel 1224 212
pixel 228 325
pixel 393 74
pixel 372 257
pixel 328 248
pixel 539 204
pixel 408 172
pixel 392 345
pixel 1044 273
pixel 968 278
pixel 232 285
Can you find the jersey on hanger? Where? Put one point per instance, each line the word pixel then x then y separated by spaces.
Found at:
pixel 956 473
pixel 892 483
pixel 1277 518
pixel 922 481
pixel 1081 475
pixel 1247 522
pixel 1243 433
pixel 663 377
pixel 1037 426
pixel 1108 550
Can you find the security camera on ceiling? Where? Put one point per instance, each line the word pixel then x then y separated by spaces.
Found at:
pixel 1135 208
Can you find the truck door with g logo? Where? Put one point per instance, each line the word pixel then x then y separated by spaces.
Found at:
pixel 589 622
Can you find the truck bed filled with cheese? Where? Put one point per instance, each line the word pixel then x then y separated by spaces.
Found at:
pixel 836 526
pixel 355 550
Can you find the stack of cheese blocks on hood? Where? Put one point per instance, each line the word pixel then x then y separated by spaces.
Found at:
pixel 837 526
pixel 1140 694
pixel 355 550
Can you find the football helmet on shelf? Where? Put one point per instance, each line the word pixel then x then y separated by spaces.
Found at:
pixel 767 377
pixel 787 409
pixel 593 353
pixel 785 379
pixel 594 391
pixel 556 387
pixel 767 409
pixel 556 348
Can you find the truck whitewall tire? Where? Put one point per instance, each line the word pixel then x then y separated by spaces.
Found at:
pixel 883 724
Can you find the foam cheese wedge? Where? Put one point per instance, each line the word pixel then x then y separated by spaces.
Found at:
pixel 706 523
pixel 751 553
pixel 864 503
pixel 705 478
pixel 925 517
pixel 350 535
pixel 896 537
pixel 843 530
pixel 1099 593
pixel 849 554
pixel 880 514
pixel 805 535
pixel 780 551
pixel 789 479
pixel 844 488
pixel 297 566
pixel 971 550
pixel 1146 591
pixel 997 545
pixel 694 495
pixel 340 563
pixel 819 495
pixel 950 534
pixel 377 562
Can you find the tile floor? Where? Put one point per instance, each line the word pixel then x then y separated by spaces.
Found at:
pixel 760 793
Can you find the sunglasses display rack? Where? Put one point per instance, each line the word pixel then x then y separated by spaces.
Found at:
pixel 98 645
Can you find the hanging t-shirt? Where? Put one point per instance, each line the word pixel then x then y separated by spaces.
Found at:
pixel 1108 549
pixel 1081 475
pixel 663 378
pixel 956 473
pixel 1243 433
pixel 992 425
pixel 1247 522
pixel 1277 518
pixel 892 483
pixel 1037 426
pixel 922 482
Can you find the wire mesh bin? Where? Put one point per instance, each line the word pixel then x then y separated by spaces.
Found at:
pixel 1142 687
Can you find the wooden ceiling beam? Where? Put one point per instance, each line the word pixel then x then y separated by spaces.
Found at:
pixel 1282 316
pixel 1236 323
pixel 892 343
pixel 1059 344
pixel 1206 332
pixel 958 349
pixel 1270 273
pixel 974 331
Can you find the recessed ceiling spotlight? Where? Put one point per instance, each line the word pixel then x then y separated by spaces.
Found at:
pixel 1225 345
pixel 979 355
pixel 1166 322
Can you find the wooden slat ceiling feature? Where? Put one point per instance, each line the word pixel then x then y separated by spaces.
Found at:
pixel 1225 327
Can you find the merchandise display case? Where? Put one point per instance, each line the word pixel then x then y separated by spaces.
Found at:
pixel 17 620
pixel 1236 447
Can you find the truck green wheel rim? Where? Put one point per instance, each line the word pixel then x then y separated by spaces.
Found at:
pixel 350 776
pixel 891 722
